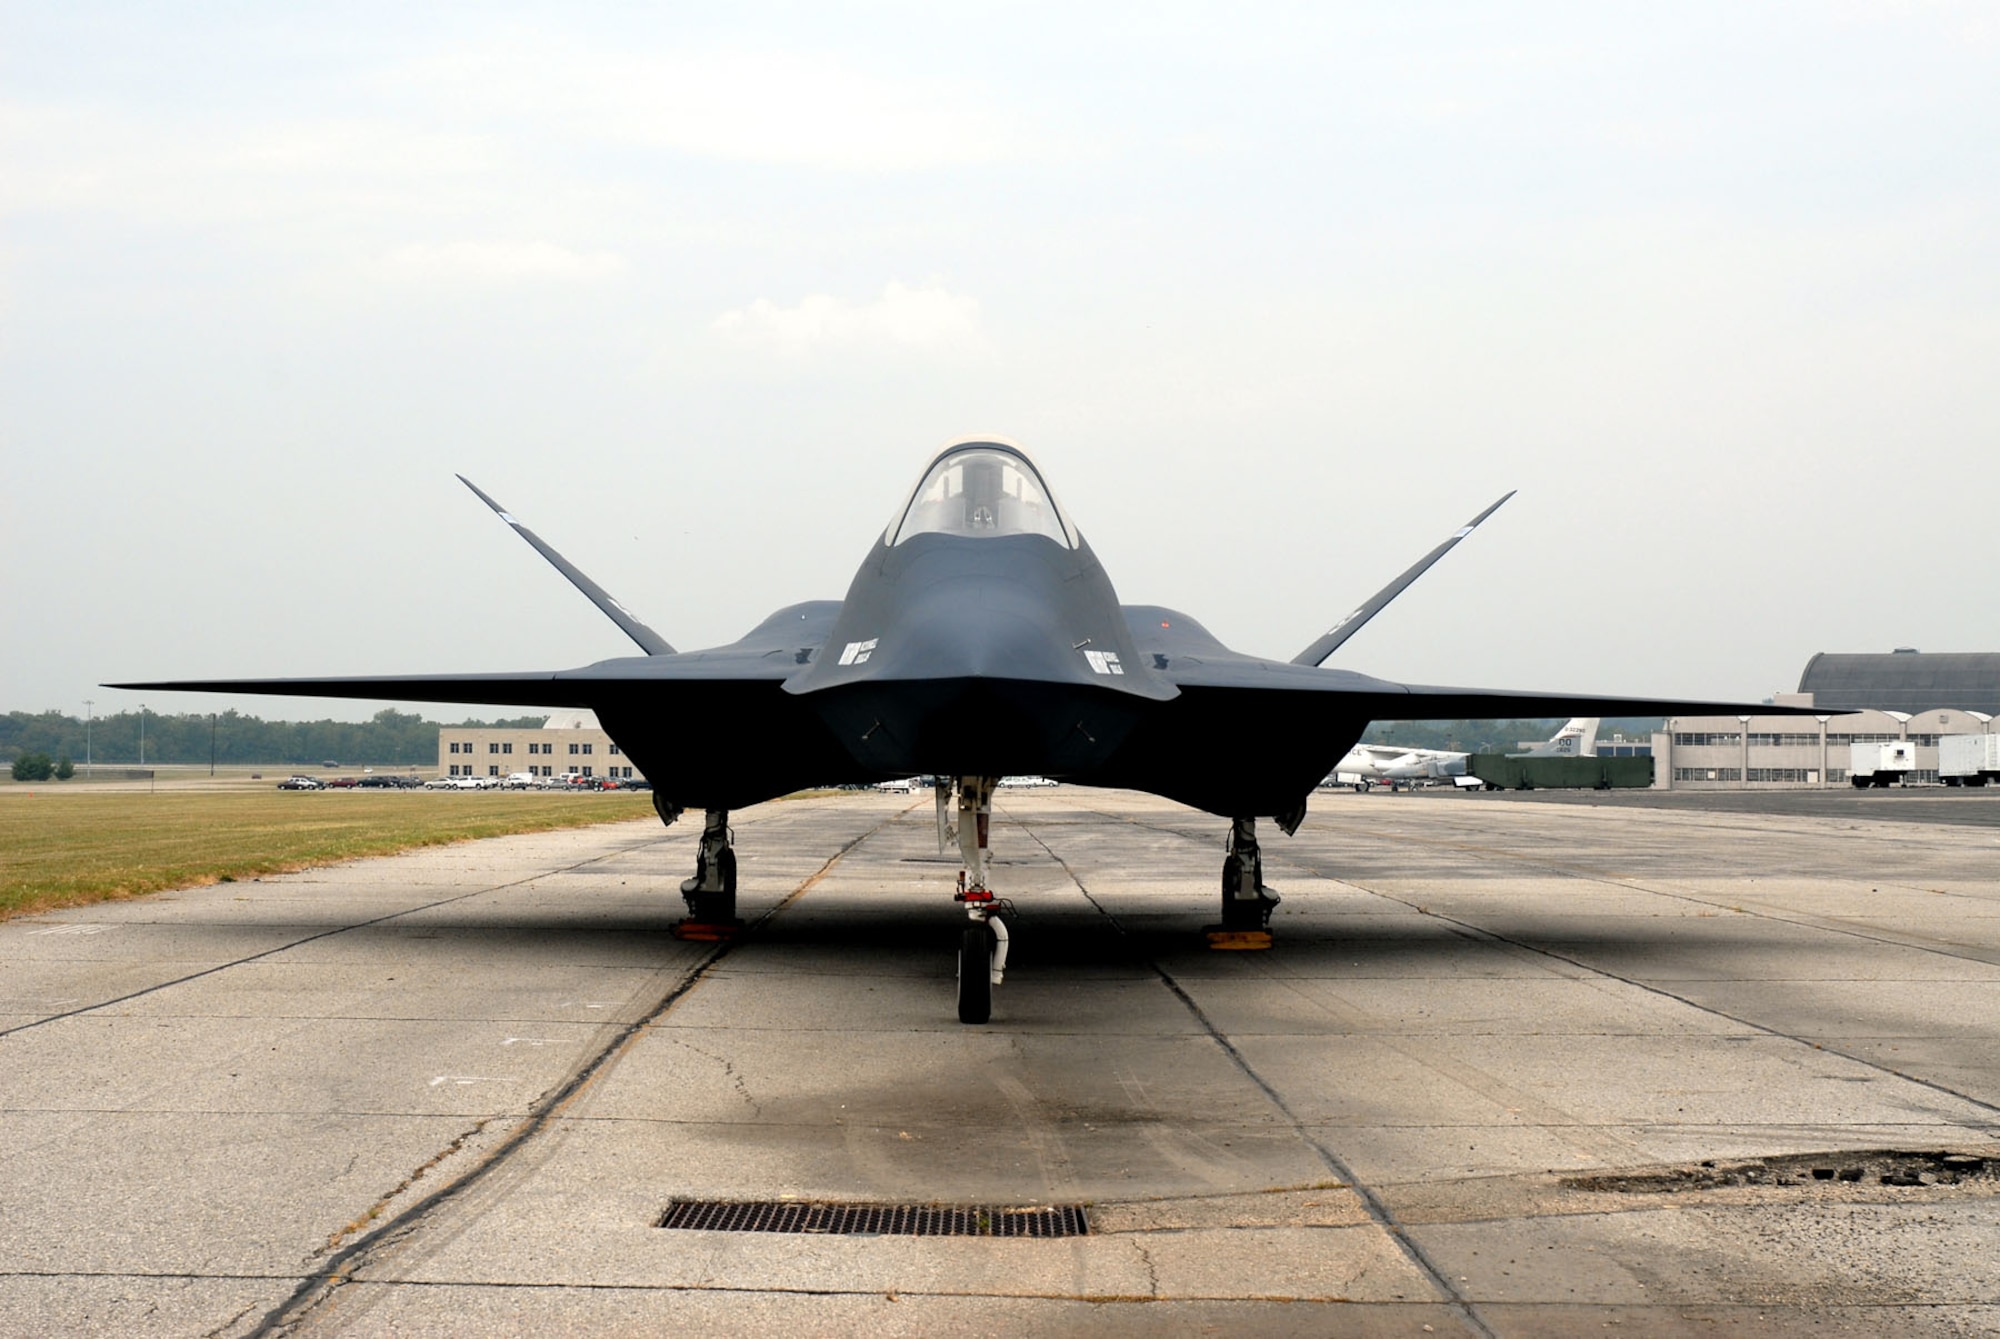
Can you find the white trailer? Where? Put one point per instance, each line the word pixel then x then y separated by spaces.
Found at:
pixel 1968 760
pixel 1882 764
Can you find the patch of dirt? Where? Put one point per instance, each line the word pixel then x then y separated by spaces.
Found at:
pixel 1883 1167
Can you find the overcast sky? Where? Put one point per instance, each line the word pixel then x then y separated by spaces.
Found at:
pixel 1278 297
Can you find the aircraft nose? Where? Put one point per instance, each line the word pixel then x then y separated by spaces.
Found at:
pixel 980 628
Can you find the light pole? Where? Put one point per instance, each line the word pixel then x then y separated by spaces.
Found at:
pixel 211 743
pixel 86 736
pixel 142 734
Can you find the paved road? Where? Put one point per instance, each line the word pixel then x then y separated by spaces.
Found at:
pixel 452 1092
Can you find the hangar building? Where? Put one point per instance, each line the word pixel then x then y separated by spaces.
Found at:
pixel 1905 681
pixel 1905 695
pixel 569 741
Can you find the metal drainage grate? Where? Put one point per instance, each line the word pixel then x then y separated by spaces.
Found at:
pixel 869 1220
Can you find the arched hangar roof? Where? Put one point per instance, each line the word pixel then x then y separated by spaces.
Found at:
pixel 1911 681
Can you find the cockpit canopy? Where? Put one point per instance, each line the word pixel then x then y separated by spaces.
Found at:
pixel 983 490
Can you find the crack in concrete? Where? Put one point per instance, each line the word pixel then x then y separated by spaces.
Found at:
pixel 376 1209
pixel 729 1071
pixel 222 1328
pixel 1152 1270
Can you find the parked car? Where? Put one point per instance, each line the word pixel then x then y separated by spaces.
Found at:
pixel 300 783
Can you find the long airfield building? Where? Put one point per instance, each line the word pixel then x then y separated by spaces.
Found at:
pixel 1906 695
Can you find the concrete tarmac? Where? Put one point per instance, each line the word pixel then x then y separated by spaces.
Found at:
pixel 1511 1069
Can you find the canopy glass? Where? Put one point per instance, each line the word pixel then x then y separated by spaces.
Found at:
pixel 982 491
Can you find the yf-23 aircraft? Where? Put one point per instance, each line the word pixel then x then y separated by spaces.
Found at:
pixel 979 639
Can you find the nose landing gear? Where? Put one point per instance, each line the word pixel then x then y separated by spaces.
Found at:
pixel 982 948
pixel 982 962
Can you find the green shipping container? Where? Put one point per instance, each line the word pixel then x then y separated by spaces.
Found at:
pixel 1501 772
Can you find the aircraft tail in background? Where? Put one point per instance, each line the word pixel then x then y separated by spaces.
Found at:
pixel 1577 739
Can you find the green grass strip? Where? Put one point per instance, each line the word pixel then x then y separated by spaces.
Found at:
pixel 66 850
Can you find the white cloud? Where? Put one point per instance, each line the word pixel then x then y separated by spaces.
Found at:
pixel 496 262
pixel 929 317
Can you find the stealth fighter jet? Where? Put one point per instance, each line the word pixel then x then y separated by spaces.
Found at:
pixel 979 639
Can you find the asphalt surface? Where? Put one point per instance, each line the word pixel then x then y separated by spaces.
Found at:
pixel 1977 808
pixel 452 1092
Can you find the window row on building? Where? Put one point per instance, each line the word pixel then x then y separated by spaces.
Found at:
pixel 470 769
pixel 507 746
pixel 573 736
pixel 1787 739
pixel 1708 774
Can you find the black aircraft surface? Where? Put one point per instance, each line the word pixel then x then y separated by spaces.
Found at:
pixel 980 639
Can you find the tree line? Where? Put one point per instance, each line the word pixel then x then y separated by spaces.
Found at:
pixel 389 737
pixel 396 737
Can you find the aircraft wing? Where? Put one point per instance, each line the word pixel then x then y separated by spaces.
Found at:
pixel 1187 655
pixel 1249 735
pixel 510 690
pixel 770 653
pixel 714 728
pixel 587 687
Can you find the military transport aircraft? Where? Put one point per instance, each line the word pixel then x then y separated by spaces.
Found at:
pixel 1397 763
pixel 979 639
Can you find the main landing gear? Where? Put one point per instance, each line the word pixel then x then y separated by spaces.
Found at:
pixel 1246 902
pixel 711 893
pixel 982 947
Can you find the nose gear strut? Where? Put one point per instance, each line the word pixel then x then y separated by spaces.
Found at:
pixel 1246 901
pixel 711 893
pixel 982 949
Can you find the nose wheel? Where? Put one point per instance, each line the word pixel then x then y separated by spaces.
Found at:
pixel 975 974
pixel 982 945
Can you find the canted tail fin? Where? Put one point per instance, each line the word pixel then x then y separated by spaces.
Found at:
pixel 652 643
pixel 1330 642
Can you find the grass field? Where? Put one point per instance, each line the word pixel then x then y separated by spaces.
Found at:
pixel 65 849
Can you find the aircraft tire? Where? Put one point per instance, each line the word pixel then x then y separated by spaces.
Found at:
pixel 726 863
pixel 975 974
